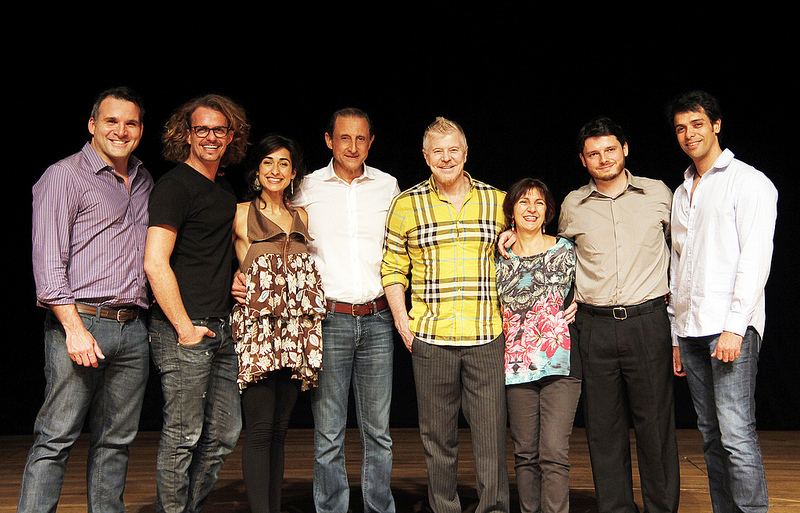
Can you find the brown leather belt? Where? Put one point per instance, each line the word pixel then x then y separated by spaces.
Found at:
pixel 117 314
pixel 357 310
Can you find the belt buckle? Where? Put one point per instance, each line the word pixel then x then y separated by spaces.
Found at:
pixel 369 306
pixel 620 316
pixel 120 312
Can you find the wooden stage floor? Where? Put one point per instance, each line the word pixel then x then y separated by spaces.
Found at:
pixel 781 454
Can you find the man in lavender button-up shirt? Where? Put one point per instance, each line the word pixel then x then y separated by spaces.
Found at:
pixel 89 227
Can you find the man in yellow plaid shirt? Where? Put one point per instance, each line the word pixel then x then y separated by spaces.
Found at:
pixel 443 232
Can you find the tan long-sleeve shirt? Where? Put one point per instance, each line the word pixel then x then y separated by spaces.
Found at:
pixel 622 243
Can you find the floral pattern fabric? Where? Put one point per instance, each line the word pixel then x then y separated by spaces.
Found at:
pixel 532 291
pixel 280 324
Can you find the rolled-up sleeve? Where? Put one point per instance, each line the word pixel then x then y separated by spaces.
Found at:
pixel 55 207
pixel 396 262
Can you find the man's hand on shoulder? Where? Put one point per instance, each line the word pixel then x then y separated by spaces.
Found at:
pixel 506 240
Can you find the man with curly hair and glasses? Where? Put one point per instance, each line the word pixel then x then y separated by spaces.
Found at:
pixel 188 260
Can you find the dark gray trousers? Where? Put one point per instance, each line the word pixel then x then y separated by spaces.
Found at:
pixel 472 379
pixel 540 416
pixel 627 377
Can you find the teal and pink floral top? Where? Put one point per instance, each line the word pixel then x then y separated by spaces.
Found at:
pixel 532 290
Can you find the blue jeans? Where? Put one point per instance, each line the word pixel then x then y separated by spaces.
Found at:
pixel 202 412
pixel 110 394
pixel 723 396
pixel 358 350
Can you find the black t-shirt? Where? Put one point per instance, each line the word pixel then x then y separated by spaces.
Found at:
pixel 202 212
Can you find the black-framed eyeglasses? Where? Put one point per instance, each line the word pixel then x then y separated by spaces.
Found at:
pixel 219 131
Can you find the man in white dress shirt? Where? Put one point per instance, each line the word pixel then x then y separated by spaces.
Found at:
pixel 347 202
pixel 723 221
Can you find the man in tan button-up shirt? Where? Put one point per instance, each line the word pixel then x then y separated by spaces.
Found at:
pixel 620 226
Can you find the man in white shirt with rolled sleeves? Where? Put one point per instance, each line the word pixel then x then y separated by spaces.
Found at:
pixel 723 221
pixel 347 202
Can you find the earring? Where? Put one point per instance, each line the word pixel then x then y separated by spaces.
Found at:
pixel 291 187
pixel 257 185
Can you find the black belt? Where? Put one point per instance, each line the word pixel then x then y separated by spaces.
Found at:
pixel 118 314
pixel 621 313
pixel 357 310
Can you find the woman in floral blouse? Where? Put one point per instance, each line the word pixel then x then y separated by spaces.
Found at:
pixel 542 372
pixel 278 327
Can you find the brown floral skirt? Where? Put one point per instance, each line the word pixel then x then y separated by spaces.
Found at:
pixel 280 324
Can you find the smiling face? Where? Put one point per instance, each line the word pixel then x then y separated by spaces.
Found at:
pixel 604 157
pixel 350 143
pixel 209 149
pixel 116 132
pixel 275 173
pixel 446 155
pixel 697 135
pixel 530 212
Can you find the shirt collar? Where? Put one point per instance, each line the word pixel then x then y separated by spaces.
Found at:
pixel 330 175
pixel 97 164
pixel 721 164
pixel 634 182
pixel 435 188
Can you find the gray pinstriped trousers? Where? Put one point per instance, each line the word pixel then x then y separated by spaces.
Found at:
pixel 472 379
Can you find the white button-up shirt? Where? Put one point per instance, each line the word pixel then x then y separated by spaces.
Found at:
pixel 347 222
pixel 721 249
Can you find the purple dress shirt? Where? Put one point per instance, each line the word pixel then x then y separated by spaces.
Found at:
pixel 89 232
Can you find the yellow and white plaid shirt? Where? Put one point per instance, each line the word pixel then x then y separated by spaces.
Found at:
pixel 450 256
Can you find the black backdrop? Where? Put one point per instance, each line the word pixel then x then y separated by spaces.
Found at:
pixel 521 84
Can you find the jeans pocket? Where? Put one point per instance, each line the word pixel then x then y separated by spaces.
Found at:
pixel 156 349
pixel 386 315
pixel 88 322
pixel 200 353
pixel 205 342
